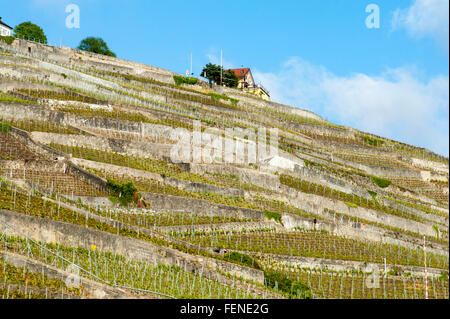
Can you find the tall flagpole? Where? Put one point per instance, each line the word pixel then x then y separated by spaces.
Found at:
pixel 191 65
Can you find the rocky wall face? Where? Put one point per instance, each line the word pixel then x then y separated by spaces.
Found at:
pixel 237 226
pixel 175 203
pixel 200 187
pixel 251 176
pixel 393 172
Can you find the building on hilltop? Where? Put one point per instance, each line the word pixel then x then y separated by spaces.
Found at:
pixel 5 30
pixel 245 77
pixel 247 83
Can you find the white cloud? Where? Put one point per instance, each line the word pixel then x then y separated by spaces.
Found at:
pixel 215 59
pixel 425 18
pixel 395 104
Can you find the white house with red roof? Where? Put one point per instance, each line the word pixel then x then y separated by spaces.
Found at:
pixel 5 30
pixel 245 77
pixel 247 83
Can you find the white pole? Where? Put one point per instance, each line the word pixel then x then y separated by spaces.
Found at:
pixel 191 65
pixel 221 67
pixel 425 264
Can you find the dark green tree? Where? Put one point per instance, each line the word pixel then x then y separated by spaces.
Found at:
pixel 230 79
pixel 95 45
pixel 212 73
pixel 30 31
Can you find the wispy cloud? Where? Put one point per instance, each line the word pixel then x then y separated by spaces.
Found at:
pixel 394 104
pixel 425 18
pixel 214 57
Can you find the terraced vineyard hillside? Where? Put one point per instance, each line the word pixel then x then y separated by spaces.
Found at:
pixel 118 183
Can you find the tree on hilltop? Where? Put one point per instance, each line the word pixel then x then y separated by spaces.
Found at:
pixel 95 45
pixel 212 73
pixel 30 31
pixel 230 79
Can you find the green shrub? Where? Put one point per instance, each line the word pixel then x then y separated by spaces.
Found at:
pixel 218 97
pixel 372 141
pixel 380 182
pixel 273 215
pixel 5 127
pixel 395 271
pixel 8 39
pixel 114 200
pixel 125 191
pixel 436 229
pixel 4 97
pixel 184 80
pixel 243 259
pixel 372 194
pixel 351 204
pixel 283 283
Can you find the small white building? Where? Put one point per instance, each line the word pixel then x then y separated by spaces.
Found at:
pixel 5 30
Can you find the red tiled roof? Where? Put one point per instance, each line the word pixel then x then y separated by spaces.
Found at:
pixel 240 73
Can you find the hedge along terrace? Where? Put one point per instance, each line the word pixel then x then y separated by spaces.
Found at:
pixel 179 80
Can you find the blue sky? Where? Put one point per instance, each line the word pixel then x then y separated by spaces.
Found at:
pixel 317 55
